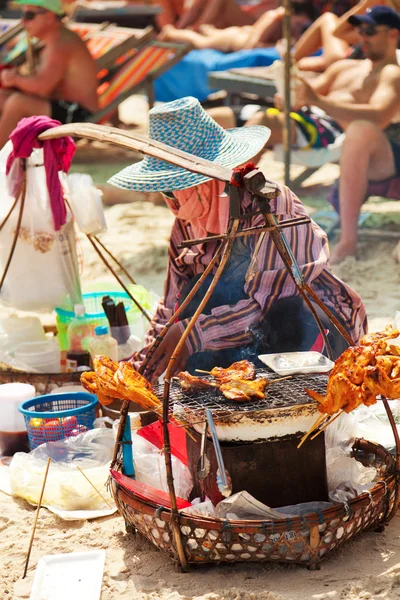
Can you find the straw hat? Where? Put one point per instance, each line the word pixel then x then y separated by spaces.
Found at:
pixel 185 125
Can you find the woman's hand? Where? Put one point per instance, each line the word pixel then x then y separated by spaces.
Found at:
pixel 161 357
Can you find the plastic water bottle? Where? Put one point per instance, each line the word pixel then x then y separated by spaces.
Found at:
pixel 79 336
pixel 104 344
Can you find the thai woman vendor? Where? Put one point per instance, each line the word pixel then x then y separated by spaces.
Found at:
pixel 243 318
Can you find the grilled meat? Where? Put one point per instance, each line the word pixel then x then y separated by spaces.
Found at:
pixel 243 369
pixel 362 373
pixel 111 380
pixel 190 383
pixel 244 390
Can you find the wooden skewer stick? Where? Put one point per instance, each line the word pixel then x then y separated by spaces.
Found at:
pixel 95 488
pixel 201 371
pixel 328 423
pixel 313 427
pixel 36 518
pixel 280 379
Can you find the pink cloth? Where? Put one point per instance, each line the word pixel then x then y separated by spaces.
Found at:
pixel 58 155
pixel 203 207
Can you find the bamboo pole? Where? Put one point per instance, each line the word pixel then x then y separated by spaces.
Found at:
pixel 287 4
pixel 293 269
pixel 22 195
pixel 179 311
pixel 36 517
pixel 167 381
pixel 121 283
pixel 94 487
pixel 392 422
pixel 111 255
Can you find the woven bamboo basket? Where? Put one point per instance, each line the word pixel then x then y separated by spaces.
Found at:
pixel 305 540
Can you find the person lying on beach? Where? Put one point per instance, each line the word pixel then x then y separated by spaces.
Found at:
pixel 360 97
pixel 266 31
pixel 64 86
pixel 248 312
pixel 188 14
pixel 334 35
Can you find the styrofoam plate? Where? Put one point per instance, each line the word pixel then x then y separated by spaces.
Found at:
pixel 76 576
pixel 290 363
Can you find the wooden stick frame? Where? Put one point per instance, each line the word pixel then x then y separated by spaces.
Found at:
pixel 263 191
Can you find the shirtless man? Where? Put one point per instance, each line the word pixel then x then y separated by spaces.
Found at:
pixel 64 86
pixel 361 97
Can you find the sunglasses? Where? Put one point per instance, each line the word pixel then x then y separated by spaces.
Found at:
pixel 29 15
pixel 369 30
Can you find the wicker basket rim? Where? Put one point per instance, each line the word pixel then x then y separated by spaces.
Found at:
pixel 335 511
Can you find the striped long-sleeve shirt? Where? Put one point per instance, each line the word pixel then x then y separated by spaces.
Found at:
pixel 229 326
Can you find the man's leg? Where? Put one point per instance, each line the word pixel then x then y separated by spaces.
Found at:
pixel 223 115
pixel 4 95
pixel 366 155
pixel 16 107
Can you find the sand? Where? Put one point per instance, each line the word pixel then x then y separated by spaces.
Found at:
pixel 366 568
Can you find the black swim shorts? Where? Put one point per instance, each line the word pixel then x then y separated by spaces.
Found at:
pixel 69 112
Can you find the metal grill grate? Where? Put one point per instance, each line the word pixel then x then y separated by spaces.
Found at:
pixel 282 394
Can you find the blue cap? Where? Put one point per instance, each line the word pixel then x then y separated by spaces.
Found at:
pixel 378 15
pixel 101 330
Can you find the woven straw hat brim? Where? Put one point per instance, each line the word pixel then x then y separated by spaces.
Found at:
pixel 239 145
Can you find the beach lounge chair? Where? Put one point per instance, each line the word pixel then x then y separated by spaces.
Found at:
pixel 149 61
pixel 106 42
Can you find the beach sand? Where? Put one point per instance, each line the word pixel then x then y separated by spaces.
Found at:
pixel 366 568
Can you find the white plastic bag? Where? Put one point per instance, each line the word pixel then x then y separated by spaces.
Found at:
pixel 149 465
pixel 343 469
pixel 86 203
pixel 43 272
pixel 66 487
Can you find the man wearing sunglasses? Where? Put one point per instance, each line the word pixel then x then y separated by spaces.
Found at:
pixel 361 97
pixel 364 98
pixel 64 85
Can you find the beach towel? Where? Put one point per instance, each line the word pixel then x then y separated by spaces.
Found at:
pixel 57 153
pixel 189 76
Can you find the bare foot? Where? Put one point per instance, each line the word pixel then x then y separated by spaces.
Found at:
pixel 341 251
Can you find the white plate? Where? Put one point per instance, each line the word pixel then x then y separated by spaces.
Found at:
pixel 73 576
pixel 303 362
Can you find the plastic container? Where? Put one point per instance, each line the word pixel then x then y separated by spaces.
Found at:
pixel 79 336
pixel 43 356
pixel 104 344
pixel 289 363
pixel 75 575
pixel 18 330
pixel 13 436
pixel 94 313
pixel 53 417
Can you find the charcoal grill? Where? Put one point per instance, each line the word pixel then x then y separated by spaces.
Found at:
pixel 259 439
pixel 286 410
